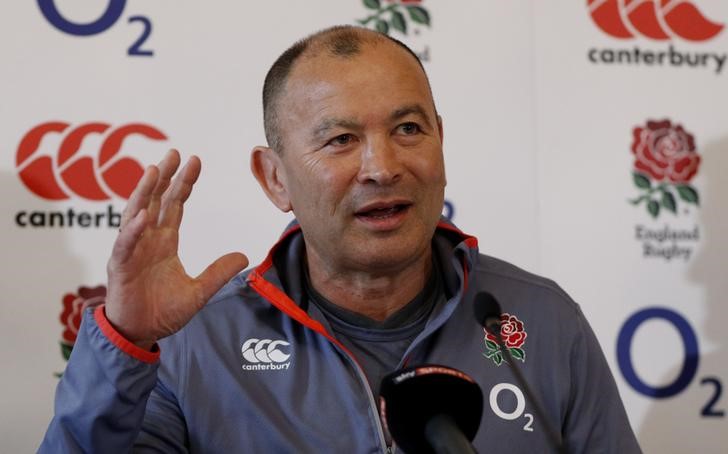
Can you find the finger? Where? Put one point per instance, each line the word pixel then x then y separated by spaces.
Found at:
pixel 220 272
pixel 128 238
pixel 139 198
pixel 167 167
pixel 173 201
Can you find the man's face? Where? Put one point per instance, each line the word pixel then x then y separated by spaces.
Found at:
pixel 362 164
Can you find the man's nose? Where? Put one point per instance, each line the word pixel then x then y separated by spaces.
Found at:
pixel 380 163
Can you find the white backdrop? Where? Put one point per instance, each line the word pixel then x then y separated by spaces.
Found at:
pixel 539 109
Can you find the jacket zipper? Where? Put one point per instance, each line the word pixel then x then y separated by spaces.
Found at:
pixel 370 395
pixel 260 285
pixel 280 300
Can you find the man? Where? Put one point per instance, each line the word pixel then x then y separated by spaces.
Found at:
pixel 288 356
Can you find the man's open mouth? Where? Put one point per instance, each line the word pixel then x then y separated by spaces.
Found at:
pixel 383 212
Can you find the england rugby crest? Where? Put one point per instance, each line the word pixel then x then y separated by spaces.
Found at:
pixel 665 161
pixel 514 337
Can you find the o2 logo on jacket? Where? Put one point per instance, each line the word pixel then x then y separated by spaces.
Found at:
pixel 689 363
pixel 520 404
pixel 108 18
pixel 68 174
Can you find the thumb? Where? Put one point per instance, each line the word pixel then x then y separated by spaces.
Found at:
pixel 219 272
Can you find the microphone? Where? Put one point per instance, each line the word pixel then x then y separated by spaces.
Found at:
pixel 431 409
pixel 488 314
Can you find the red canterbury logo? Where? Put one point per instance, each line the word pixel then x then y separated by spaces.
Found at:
pixel 657 19
pixel 91 179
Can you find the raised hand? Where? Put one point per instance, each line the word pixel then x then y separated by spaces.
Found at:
pixel 150 296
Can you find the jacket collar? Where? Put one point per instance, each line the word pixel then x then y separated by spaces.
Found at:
pixel 277 278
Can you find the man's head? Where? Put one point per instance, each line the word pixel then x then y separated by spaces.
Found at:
pixel 341 41
pixel 355 150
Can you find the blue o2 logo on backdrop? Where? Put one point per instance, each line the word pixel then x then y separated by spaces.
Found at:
pixel 689 362
pixel 448 210
pixel 108 18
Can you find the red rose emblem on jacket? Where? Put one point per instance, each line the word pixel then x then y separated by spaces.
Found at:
pixel 665 151
pixel 513 335
pixel 73 307
pixel 511 331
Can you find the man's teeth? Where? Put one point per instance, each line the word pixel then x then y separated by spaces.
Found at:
pixel 382 212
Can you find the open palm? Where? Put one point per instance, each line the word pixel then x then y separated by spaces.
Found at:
pixel 150 295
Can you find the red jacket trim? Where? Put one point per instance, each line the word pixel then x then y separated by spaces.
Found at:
pixel 280 300
pixel 469 240
pixel 288 307
pixel 121 342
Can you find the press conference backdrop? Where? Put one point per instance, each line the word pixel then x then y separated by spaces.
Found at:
pixel 584 140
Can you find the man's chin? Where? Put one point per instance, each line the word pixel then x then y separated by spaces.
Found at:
pixel 390 254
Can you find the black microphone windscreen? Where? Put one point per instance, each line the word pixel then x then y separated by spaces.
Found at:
pixel 487 310
pixel 411 397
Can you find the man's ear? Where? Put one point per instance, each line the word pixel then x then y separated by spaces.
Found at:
pixel 268 169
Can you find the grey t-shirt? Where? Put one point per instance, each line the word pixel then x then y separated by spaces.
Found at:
pixel 379 346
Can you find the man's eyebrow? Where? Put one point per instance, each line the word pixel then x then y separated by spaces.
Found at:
pixel 323 128
pixel 330 123
pixel 410 109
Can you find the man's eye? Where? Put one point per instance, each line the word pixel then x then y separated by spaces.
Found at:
pixel 343 139
pixel 409 128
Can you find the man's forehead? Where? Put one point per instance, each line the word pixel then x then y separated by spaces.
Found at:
pixel 319 62
pixel 321 75
pixel 380 82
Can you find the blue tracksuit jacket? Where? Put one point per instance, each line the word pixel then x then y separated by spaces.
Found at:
pixel 253 372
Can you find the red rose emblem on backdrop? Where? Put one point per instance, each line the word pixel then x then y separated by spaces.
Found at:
pixel 73 308
pixel 665 152
pixel 665 162
pixel 513 335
